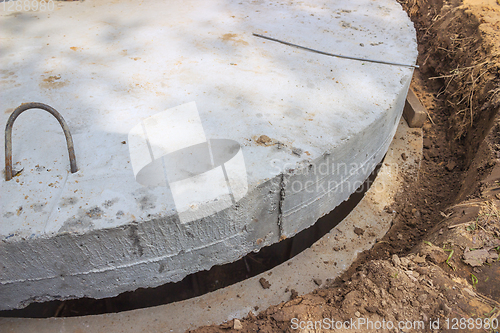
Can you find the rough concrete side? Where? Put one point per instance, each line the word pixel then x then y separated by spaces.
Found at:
pixel 107 262
pixel 348 168
pixel 316 263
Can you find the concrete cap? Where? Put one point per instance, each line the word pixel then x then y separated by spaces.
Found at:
pixel 193 138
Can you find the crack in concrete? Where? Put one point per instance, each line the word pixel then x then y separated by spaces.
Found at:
pixel 280 204
pixel 136 240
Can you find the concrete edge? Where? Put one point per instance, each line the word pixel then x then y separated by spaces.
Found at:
pixel 318 263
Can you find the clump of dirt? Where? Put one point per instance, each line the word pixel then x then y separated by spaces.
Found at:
pixel 438 264
pixel 411 291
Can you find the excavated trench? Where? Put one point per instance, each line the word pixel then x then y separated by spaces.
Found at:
pixel 459 83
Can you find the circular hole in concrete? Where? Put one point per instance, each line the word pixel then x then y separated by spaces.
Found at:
pixel 203 282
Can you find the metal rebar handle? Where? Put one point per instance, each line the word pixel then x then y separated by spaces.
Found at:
pixel 8 135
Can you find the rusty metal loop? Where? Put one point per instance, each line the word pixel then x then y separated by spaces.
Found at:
pixel 8 135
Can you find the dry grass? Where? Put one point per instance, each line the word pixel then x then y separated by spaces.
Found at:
pixel 460 88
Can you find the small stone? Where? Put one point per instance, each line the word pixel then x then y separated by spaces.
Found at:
pixel 437 255
pixel 422 298
pixel 395 260
pixel 359 231
pixel 411 276
pixel 475 258
pixel 264 283
pixel 264 140
pixel 404 157
pixel 451 165
pixel 470 292
pixel 318 282
pixel 405 262
pixel 237 325
pixel 297 151
pixel 419 259
pixel 446 309
pixel 357 314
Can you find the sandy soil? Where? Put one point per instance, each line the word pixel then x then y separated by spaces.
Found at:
pixel 440 260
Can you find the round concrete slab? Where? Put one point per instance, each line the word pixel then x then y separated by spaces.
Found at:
pixel 196 142
pixel 319 262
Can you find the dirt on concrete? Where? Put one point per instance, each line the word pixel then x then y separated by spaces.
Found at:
pixel 438 266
